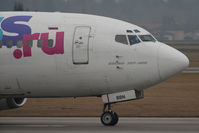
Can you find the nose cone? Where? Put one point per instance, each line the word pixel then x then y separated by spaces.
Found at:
pixel 171 62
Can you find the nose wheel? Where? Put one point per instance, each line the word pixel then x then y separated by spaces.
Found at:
pixel 109 118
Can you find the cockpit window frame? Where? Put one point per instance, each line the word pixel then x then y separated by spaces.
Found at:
pixel 143 40
pixel 119 40
pixel 137 41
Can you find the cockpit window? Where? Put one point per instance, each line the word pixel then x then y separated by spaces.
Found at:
pixel 137 31
pixel 133 39
pixel 147 38
pixel 121 39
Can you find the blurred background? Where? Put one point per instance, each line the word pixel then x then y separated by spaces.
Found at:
pixel 175 22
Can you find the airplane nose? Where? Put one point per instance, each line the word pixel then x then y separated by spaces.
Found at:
pixel 171 62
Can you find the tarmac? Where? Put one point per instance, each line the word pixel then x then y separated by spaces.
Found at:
pixel 92 124
pixel 192 70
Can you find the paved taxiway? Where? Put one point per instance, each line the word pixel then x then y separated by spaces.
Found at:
pixel 192 70
pixel 86 125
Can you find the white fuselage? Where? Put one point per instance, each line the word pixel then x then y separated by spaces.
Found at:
pixel 92 63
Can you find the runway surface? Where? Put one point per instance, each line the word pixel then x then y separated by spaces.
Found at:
pixel 192 70
pixel 88 125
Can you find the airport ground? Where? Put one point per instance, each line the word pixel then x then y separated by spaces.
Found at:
pixel 93 125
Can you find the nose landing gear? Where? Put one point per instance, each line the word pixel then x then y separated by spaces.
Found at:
pixel 109 118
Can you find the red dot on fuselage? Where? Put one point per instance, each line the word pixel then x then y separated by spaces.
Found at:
pixel 17 54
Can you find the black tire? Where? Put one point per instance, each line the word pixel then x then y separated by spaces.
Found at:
pixel 115 119
pixel 109 118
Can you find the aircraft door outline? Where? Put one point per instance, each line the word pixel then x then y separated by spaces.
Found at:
pixel 80 48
